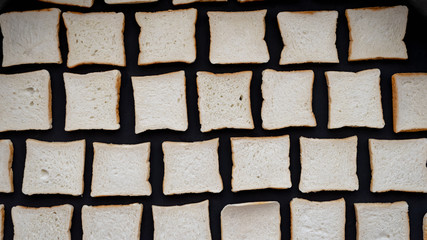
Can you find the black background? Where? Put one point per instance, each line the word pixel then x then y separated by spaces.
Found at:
pixel 416 42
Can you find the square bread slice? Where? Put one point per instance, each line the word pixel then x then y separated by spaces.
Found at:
pixel 25 101
pixel 382 221
pixel 181 2
pixel 95 38
pixel 308 37
pixel 328 164
pixel 251 221
pixel 260 162
pixel 238 37
pixel 409 102
pixel 112 221
pixel 191 167
pixel 79 3
pixel 54 167
pixel 377 33
pixel 42 223
pixel 6 159
pixel 398 165
pixel 224 100
pixel 30 37
pixel 287 99
pixel 128 1
pixel 92 100
pixel 317 220
pixel 1 221
pixel 160 102
pixel 190 221
pixel 355 99
pixel 121 170
pixel 167 36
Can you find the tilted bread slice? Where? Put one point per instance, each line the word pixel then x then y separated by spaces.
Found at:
pixel 328 164
pixel 252 220
pixel 6 173
pixel 355 99
pixel 30 37
pixel 95 38
pixel 1 221
pixel 121 170
pixel 377 33
pixel 317 220
pixel 167 36
pixel 260 162
pixel 128 1
pixel 181 2
pixel 25 101
pixel 92 100
pixel 382 221
pixel 160 102
pixel 191 167
pixel 54 167
pixel 112 221
pixel 425 227
pixel 287 99
pixel 238 37
pixel 398 165
pixel 42 223
pixel 308 37
pixel 224 100
pixel 409 102
pixel 190 221
pixel 80 3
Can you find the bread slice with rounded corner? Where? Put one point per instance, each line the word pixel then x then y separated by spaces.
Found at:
pixel 79 3
pixel 6 159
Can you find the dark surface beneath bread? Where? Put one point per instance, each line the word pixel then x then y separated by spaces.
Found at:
pixel 416 42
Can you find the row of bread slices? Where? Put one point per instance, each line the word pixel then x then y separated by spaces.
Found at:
pixel 193 167
pixel 92 100
pixel 252 220
pixel 169 36
pixel 89 3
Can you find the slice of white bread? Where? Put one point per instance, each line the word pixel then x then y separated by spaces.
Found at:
pixel 190 221
pixel 121 170
pixel 377 33
pixel 308 37
pixel 92 100
pixel 355 99
pixel 224 100
pixel 30 37
pixel 25 101
pixel 425 227
pixel 167 36
pixel 95 38
pixel 260 162
pixel 112 222
pixel 191 167
pixel 409 102
pixel 42 223
pixel 128 1
pixel 79 3
pixel 251 221
pixel 398 165
pixel 328 164
pixel 382 221
pixel 6 159
pixel 54 167
pixel 1 221
pixel 287 99
pixel 160 102
pixel 238 37
pixel 181 2
pixel 318 220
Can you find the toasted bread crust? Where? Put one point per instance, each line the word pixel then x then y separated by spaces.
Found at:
pixel 67 4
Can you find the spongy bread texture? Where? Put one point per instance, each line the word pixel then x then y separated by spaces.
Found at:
pixel 6 173
pixel 317 220
pixel 121 170
pixel 1 221
pixel 42 223
pixel 30 37
pixel 54 167
pixel 224 100
pixel 167 36
pixel 190 221
pixel 80 3
pixel 238 37
pixel 398 165
pixel 95 38
pixel 112 221
pixel 377 33
pixel 181 2
pixel 25 101
pixel 308 37
pixel 128 1
pixel 425 227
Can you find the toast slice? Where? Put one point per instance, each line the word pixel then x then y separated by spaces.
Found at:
pixel 425 227
pixel 6 159
pixel 128 1
pixel 79 3
pixel 1 221
pixel 182 2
